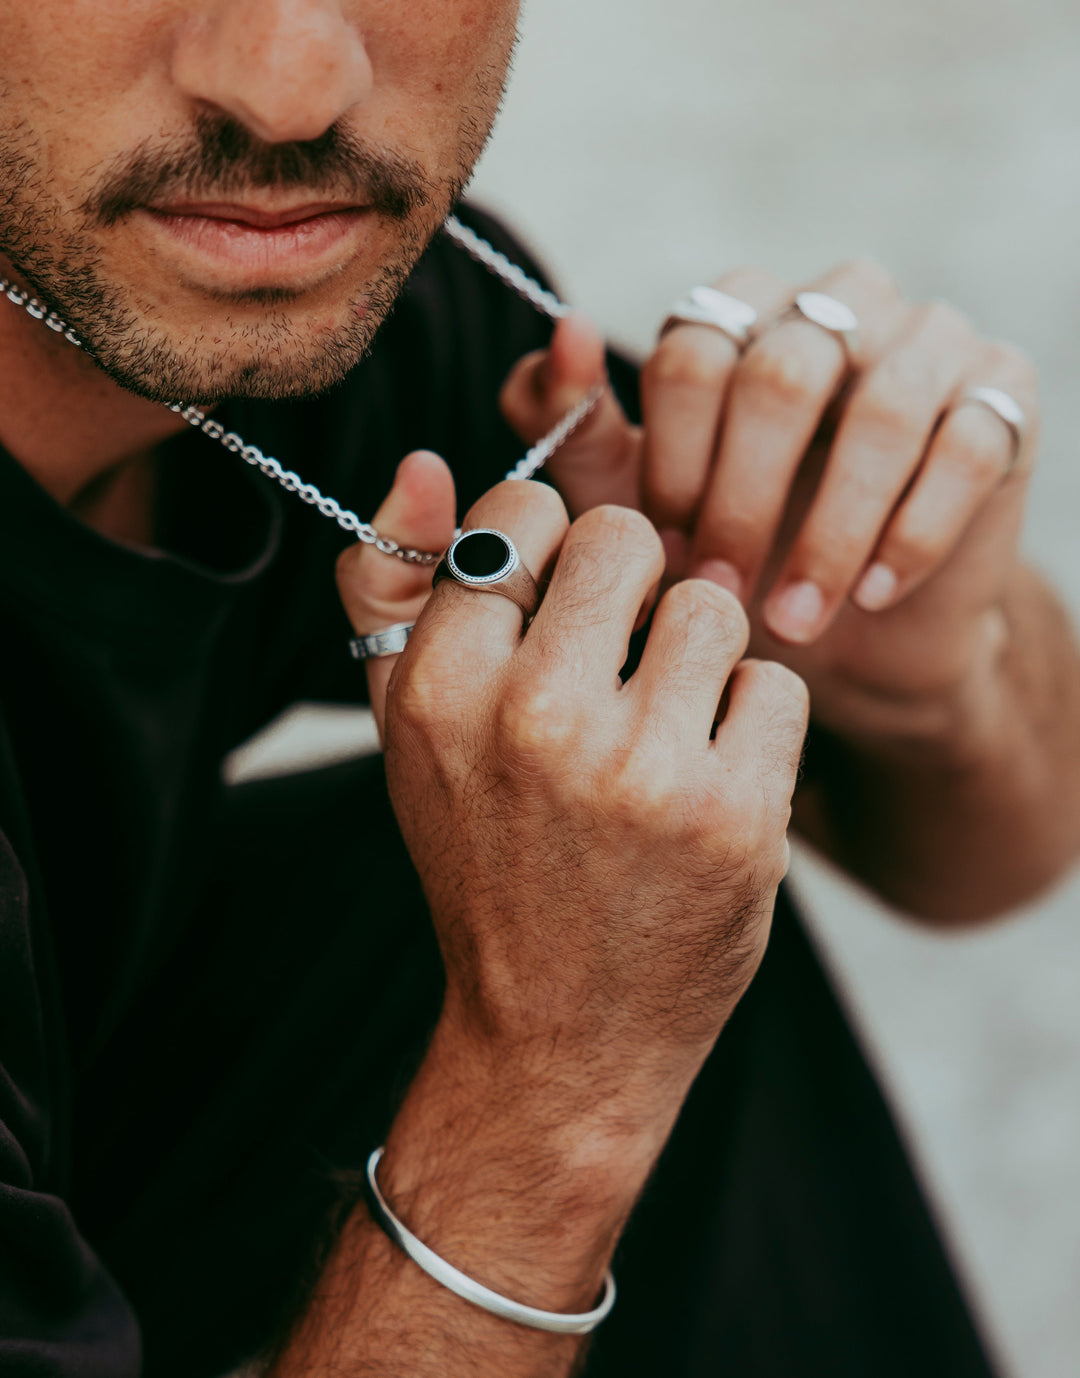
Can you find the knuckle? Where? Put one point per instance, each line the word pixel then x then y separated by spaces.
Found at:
pixel 787 376
pixel 623 526
pixel 870 274
pixel 975 457
pixel 520 394
pixel 671 493
pixel 712 609
pixel 776 855
pixel 534 719
pixel 739 533
pixel 518 500
pixel 1014 363
pixel 836 537
pixel 416 697
pixel 751 280
pixel 746 806
pixel 678 363
pixel 741 848
pixel 784 691
pixel 942 318
pixel 541 497
pixel 887 405
pixel 642 790
pixel 911 550
pixel 781 681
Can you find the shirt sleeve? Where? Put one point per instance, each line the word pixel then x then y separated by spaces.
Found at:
pixel 61 1314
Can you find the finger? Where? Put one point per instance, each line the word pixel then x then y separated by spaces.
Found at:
pixel 610 563
pixel 967 469
pixel 698 635
pixel 780 394
pixel 600 461
pixel 879 448
pixel 683 391
pixel 378 590
pixel 470 630
pixel 766 721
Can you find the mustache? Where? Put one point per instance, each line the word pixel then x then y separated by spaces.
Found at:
pixel 223 159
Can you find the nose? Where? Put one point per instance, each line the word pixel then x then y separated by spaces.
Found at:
pixel 285 69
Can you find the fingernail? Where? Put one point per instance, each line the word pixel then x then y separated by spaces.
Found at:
pixel 721 572
pixel 876 588
pixel 676 545
pixel 795 613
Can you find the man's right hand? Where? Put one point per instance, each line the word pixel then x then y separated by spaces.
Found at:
pixel 600 864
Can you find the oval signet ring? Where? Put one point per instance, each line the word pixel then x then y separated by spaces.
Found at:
pixel 832 315
pixel 709 306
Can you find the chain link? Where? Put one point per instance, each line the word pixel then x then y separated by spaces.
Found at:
pixel 495 262
pixel 33 306
pixel 511 273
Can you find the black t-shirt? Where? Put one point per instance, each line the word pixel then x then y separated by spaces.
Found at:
pixel 127 676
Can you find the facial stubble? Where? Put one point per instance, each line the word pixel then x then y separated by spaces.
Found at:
pixel 254 343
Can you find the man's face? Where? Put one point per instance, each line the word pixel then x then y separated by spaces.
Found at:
pixel 223 197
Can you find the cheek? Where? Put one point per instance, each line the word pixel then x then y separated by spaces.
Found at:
pixel 445 59
pixel 80 75
pixel 79 48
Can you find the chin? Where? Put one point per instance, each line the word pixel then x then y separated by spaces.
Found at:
pixel 206 382
pixel 276 358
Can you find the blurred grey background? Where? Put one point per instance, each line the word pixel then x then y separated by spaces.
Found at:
pixel 645 147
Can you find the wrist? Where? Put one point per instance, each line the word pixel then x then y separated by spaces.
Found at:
pixel 512 1175
pixel 593 1129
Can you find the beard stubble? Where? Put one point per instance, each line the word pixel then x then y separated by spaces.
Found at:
pixel 58 254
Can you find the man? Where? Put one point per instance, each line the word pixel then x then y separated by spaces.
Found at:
pixel 217 1003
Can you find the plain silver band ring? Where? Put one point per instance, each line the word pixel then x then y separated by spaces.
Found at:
pixel 709 306
pixel 508 576
pixel 1005 408
pixel 832 315
pixel 389 642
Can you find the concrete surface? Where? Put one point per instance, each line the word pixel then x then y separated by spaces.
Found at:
pixel 645 147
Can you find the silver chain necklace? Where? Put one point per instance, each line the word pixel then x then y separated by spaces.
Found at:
pixel 496 263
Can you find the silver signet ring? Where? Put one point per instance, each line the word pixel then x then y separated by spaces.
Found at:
pixel 709 306
pixel 487 560
pixel 834 316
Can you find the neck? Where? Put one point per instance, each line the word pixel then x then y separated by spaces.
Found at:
pixel 88 442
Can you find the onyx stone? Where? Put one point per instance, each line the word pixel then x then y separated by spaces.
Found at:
pixel 482 554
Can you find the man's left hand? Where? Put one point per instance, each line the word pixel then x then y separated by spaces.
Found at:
pixel 868 521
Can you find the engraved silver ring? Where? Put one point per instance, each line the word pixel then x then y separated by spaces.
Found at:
pixel 390 641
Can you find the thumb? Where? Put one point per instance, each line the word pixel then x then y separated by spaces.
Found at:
pixel 600 462
pixel 380 590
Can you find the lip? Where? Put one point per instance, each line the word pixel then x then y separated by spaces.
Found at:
pixel 237 247
pixel 258 217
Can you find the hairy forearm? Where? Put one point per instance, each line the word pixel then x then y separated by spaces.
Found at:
pixel 959 811
pixel 519 1183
